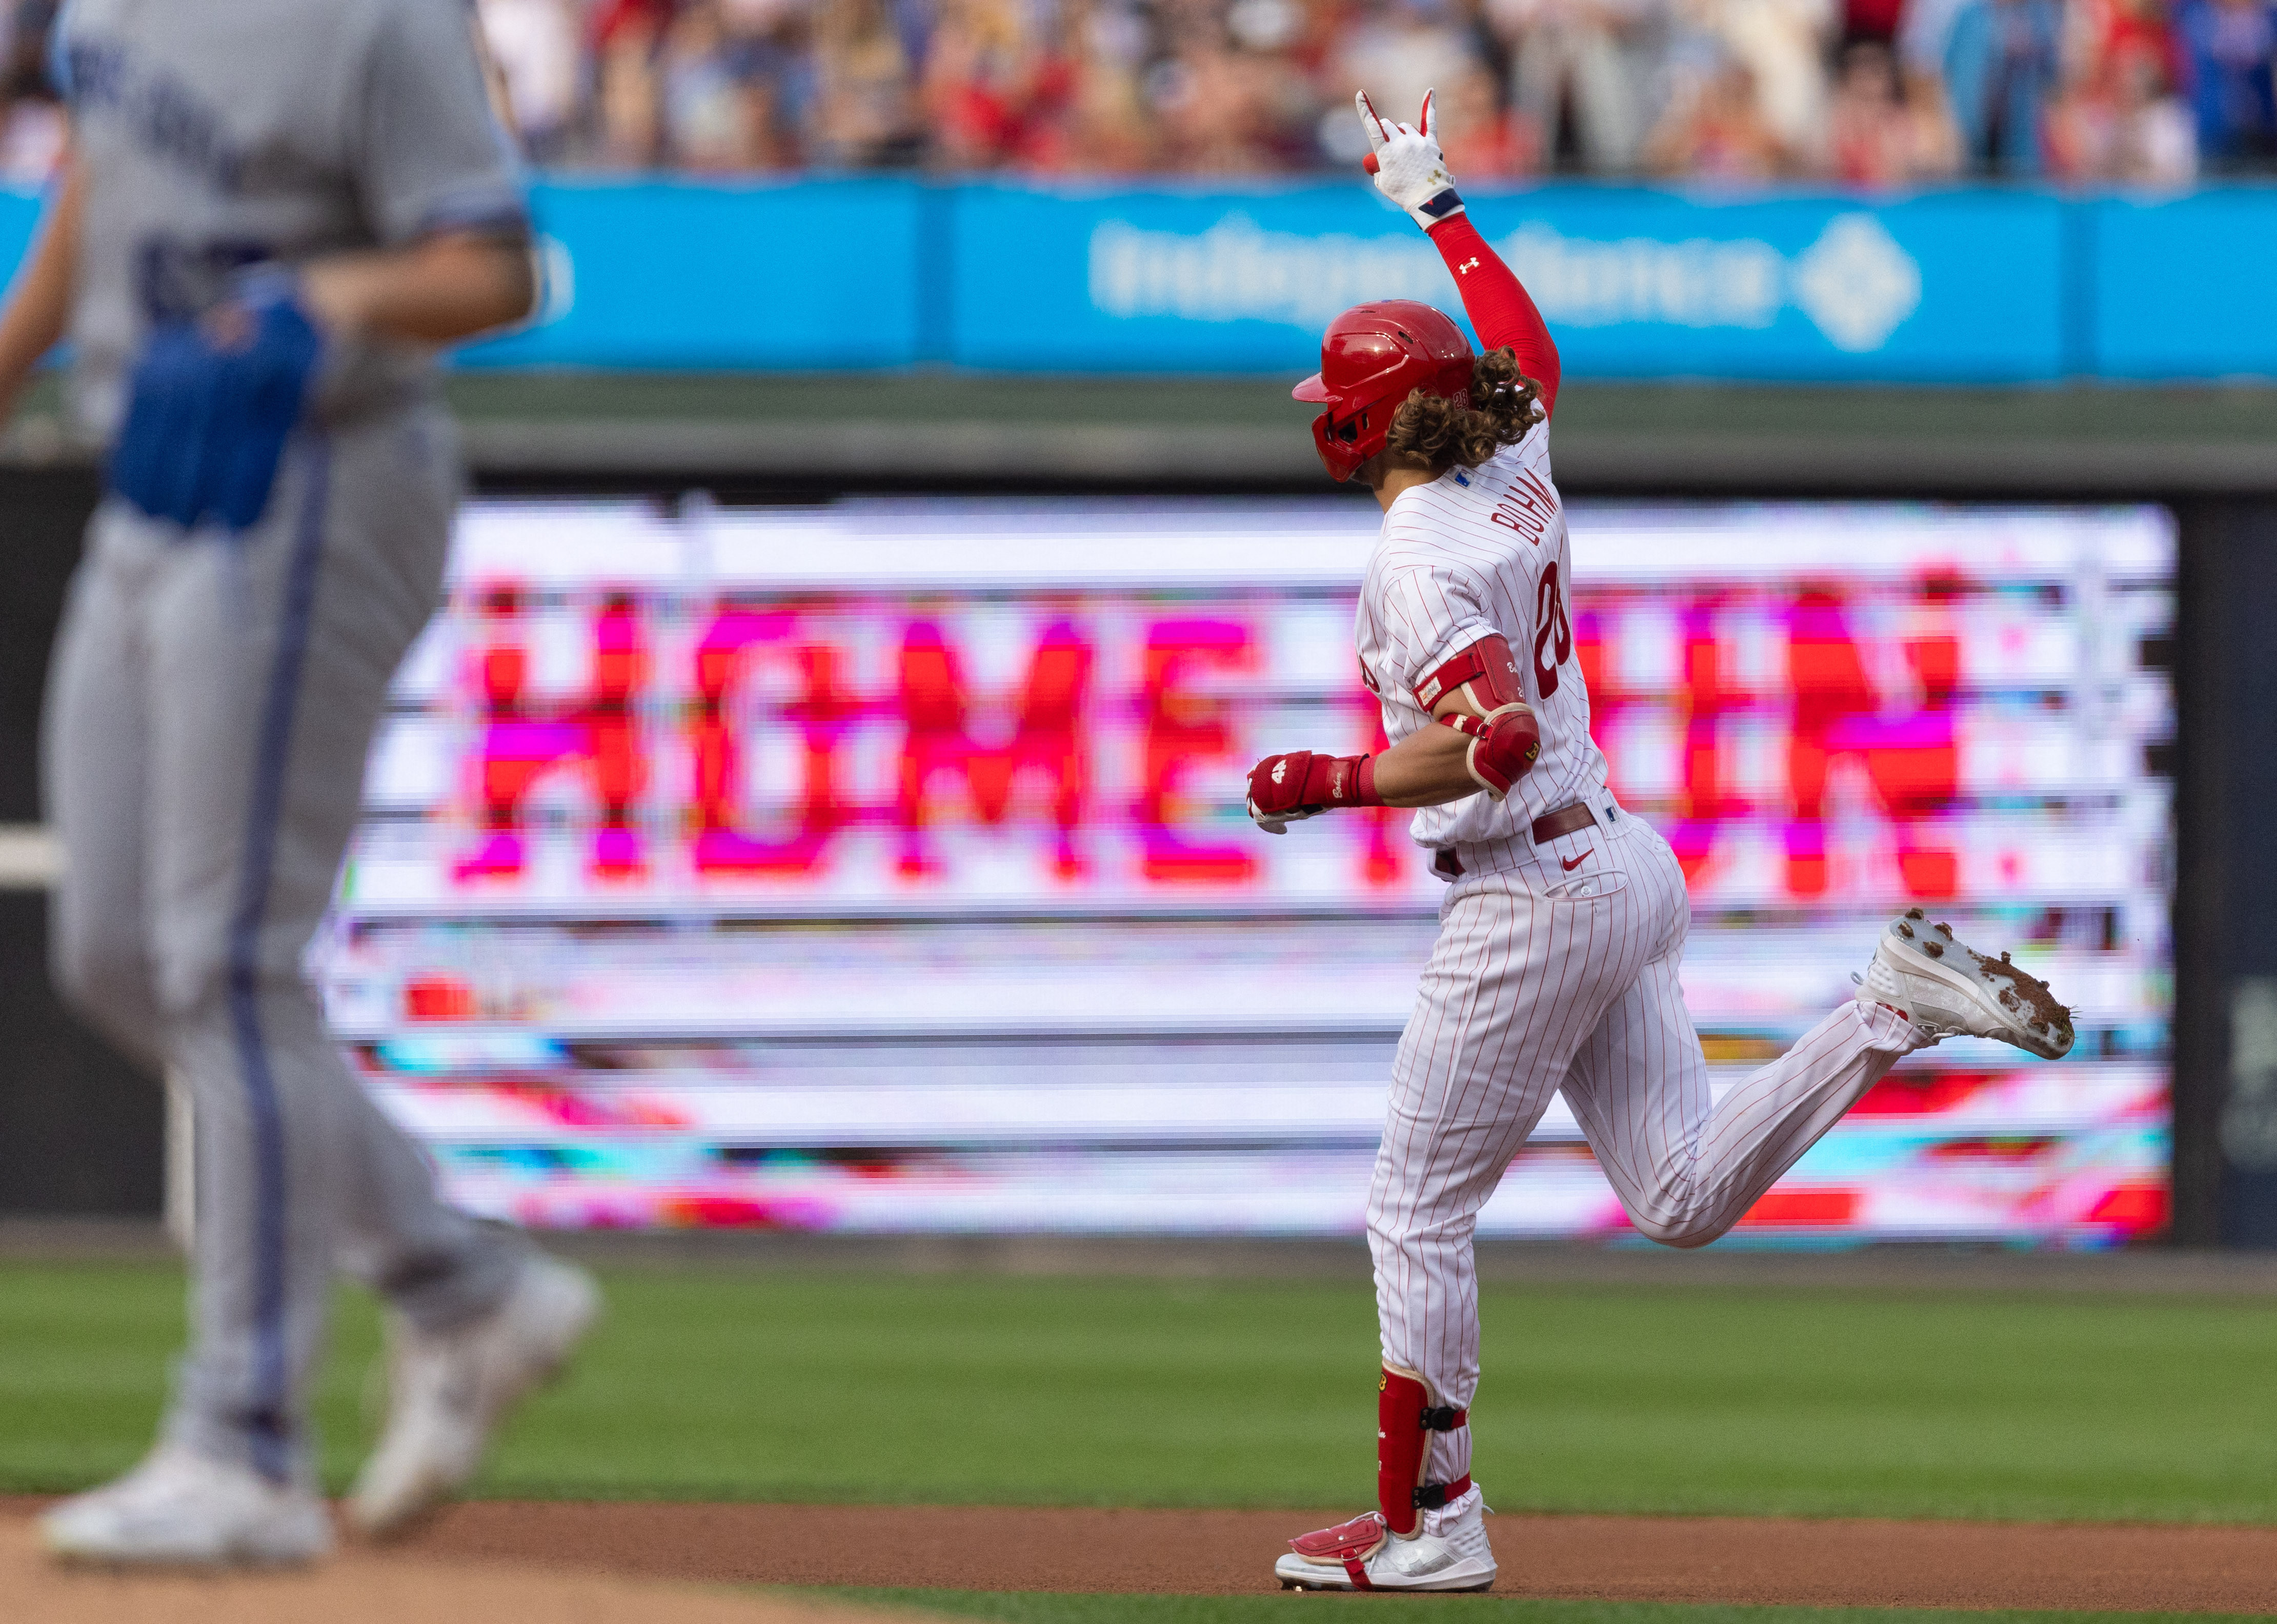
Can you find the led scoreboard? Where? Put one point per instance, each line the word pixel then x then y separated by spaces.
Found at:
pixel 882 866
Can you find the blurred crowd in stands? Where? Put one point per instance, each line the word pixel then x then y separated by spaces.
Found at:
pixel 1866 93
pixel 1872 93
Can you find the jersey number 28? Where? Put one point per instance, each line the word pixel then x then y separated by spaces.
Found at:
pixel 1553 635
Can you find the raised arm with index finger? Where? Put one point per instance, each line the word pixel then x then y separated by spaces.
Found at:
pixel 1411 172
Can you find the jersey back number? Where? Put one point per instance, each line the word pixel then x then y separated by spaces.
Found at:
pixel 1553 632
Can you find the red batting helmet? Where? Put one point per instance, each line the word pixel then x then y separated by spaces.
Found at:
pixel 1372 357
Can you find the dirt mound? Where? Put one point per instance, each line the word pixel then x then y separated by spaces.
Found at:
pixel 360 1587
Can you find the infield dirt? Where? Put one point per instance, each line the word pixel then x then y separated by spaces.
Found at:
pixel 628 1555
pixel 365 1588
pixel 2141 1567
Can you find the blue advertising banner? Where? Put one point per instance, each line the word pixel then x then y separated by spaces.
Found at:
pixel 727 277
pixel 19 218
pixel 2186 287
pixel 1962 286
pixel 1972 284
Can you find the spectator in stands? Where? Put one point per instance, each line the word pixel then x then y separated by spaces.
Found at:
pixel 1782 44
pixel 32 126
pixel 1106 127
pixel 2117 118
pixel 1937 154
pixel 1714 129
pixel 711 119
pixel 626 37
pixel 1586 66
pixel 1289 103
pixel 2098 33
pixel 866 113
pixel 1924 34
pixel 24 27
pixel 31 138
pixel 2000 67
pixel 2230 45
pixel 1230 99
pixel 2157 139
pixel 1317 52
pixel 771 51
pixel 1874 20
pixel 2088 90
pixel 1882 132
pixel 1480 138
pixel 2126 126
pixel 993 84
pixel 540 62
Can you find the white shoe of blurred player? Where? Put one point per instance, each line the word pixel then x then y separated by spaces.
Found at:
pixel 447 1392
pixel 180 1509
pixel 1946 988
pixel 1448 1553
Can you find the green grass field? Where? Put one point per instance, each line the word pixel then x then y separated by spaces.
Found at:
pixel 719 1384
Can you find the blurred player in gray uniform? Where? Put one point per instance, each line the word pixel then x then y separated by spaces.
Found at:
pixel 272 213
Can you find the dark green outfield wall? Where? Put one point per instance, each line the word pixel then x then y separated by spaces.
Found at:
pixel 80 1131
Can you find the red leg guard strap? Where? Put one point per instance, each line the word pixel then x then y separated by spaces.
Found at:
pixel 1431 1497
pixel 1404 1420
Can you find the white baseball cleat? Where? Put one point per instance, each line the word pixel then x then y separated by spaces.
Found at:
pixel 181 1509
pixel 447 1392
pixel 1448 1551
pixel 1946 988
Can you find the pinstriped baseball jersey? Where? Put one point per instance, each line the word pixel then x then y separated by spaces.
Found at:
pixel 1477 552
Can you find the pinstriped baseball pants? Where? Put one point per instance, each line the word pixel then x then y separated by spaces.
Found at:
pixel 1545 977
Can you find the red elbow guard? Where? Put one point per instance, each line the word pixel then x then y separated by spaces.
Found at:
pixel 1486 668
pixel 1504 747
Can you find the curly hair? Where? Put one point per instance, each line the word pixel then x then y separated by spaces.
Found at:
pixel 1445 432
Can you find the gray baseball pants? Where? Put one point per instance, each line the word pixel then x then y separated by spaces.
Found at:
pixel 209 711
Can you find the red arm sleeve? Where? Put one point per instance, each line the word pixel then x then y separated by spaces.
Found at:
pixel 1497 304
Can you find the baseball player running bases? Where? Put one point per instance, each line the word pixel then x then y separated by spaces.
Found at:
pixel 1565 916
pixel 272 213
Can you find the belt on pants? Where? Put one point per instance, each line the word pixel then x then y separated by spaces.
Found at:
pixel 1544 829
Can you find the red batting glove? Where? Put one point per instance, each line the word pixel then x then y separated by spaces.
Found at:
pixel 1285 789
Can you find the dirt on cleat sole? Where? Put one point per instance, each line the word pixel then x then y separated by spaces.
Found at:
pixel 2025 991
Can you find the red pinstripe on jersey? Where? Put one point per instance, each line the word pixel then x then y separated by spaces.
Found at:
pixel 1481 553
pixel 1555 965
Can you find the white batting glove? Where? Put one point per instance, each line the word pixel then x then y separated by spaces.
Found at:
pixel 1278 822
pixel 1407 165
